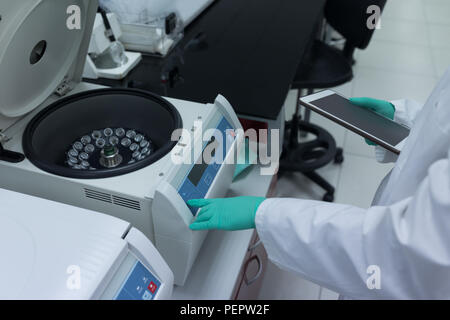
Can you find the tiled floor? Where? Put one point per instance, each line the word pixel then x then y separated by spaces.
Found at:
pixel 405 59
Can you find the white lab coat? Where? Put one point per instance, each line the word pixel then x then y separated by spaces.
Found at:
pixel 406 233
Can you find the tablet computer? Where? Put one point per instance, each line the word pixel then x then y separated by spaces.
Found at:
pixel 365 122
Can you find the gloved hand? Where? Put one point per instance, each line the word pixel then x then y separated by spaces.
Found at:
pixel 226 214
pixel 384 108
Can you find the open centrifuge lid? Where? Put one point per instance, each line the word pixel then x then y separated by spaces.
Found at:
pixel 38 50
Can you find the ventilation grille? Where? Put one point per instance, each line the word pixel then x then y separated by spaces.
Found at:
pixel 108 198
pixel 97 195
pixel 127 203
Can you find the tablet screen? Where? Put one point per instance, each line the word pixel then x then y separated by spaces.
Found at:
pixel 364 119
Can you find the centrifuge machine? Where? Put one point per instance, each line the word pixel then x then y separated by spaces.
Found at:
pixel 103 149
pixel 52 251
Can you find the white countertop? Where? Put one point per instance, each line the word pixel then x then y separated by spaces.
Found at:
pixel 219 262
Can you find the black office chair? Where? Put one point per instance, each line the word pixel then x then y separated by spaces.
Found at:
pixel 325 67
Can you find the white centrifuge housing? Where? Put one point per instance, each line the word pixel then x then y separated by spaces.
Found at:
pixel 52 251
pixel 44 108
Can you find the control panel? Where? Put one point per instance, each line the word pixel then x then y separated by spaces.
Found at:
pixel 202 174
pixel 140 284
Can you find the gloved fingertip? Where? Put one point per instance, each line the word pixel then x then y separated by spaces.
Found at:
pixel 359 101
pixel 197 202
pixel 193 227
pixel 202 217
pixel 391 116
pixel 197 226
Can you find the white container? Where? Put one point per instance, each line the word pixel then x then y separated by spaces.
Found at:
pixel 137 11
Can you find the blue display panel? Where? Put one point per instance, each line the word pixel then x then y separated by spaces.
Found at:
pixel 199 179
pixel 139 285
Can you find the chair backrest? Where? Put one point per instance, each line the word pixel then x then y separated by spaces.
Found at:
pixel 349 18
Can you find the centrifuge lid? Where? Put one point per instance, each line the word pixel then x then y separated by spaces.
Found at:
pixel 35 266
pixel 38 50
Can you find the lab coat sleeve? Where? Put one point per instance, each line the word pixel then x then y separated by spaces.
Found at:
pixel 406 112
pixel 333 245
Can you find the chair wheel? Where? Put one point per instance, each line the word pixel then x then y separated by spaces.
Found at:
pixel 328 197
pixel 339 157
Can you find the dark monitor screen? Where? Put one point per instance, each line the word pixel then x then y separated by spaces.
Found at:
pixel 363 119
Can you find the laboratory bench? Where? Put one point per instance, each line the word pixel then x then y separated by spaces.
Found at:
pixel 248 51
pixel 230 264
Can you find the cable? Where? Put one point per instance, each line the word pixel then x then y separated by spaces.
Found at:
pixel 109 31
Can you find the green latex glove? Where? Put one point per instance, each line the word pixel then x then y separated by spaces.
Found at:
pixel 246 159
pixel 225 214
pixel 382 107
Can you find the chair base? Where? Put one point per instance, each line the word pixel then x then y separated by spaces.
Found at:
pixel 310 156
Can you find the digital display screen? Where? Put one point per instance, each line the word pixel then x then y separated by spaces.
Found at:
pixel 199 169
pixel 197 172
